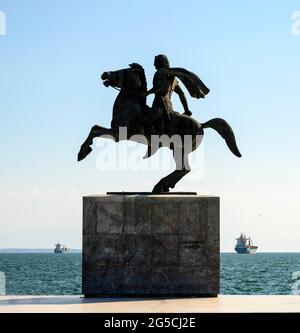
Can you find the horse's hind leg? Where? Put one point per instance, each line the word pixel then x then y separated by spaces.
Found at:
pixel 96 131
pixel 182 169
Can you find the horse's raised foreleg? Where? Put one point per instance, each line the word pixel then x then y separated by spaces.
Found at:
pixel 96 131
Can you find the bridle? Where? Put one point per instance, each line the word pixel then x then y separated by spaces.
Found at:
pixel 127 90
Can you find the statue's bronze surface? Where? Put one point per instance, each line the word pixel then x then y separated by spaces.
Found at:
pixel 158 126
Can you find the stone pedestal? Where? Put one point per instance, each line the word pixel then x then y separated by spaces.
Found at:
pixel 151 245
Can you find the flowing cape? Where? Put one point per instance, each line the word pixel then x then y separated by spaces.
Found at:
pixel 192 82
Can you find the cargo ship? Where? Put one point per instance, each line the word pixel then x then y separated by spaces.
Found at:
pixel 244 245
pixel 60 248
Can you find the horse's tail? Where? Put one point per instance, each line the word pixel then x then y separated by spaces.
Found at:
pixel 226 132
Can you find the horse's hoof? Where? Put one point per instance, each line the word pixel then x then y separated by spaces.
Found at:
pixel 188 113
pixel 157 189
pixel 160 188
pixel 83 153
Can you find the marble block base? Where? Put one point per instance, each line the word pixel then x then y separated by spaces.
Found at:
pixel 151 245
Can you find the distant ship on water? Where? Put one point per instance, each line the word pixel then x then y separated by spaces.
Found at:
pixel 60 248
pixel 244 245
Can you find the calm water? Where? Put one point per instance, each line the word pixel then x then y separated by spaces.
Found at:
pixel 41 273
pixel 36 274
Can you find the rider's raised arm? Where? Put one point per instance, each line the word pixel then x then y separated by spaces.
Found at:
pixel 183 99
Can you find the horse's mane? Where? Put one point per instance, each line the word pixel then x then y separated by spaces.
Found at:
pixel 142 74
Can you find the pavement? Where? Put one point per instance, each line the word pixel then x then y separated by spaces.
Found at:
pixel 220 304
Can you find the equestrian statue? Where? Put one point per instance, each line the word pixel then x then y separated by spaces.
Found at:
pixel 158 126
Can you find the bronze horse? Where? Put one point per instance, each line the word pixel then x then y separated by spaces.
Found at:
pixel 129 112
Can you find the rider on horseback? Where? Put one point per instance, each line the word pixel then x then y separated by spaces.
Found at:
pixel 164 83
pixel 129 112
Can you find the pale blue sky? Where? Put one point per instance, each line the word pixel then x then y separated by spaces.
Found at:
pixel 50 95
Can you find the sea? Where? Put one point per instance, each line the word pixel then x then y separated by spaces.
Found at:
pixel 60 274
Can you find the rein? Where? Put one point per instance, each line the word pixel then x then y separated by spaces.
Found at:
pixel 130 91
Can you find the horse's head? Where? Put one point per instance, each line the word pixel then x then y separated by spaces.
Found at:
pixel 131 79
